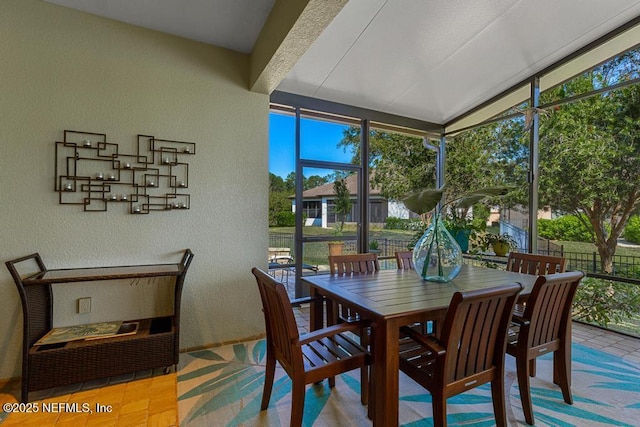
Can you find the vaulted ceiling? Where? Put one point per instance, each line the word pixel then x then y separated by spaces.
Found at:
pixel 431 60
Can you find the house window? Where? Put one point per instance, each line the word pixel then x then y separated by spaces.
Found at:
pixel 312 209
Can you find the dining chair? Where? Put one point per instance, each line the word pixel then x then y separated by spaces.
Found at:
pixel 311 358
pixel 535 264
pixel 354 263
pixel 345 265
pixel 544 327
pixel 470 352
pixel 404 259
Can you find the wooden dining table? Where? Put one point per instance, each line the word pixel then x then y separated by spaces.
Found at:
pixel 391 299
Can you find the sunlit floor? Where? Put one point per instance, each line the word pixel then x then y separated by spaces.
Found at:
pixel 151 398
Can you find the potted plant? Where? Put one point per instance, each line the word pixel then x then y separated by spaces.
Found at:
pixel 437 256
pixel 374 247
pixel 500 243
pixel 336 246
pixel 463 229
pixel 342 209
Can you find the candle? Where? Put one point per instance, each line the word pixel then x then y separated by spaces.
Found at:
pixel 165 160
pixel 136 209
pixel 183 205
pixel 151 183
pixel 176 206
pixel 127 165
pixel 123 197
pixel 114 197
pixel 183 184
pixel 187 150
pixel 112 177
pixel 87 143
pixel 99 175
pixel 68 187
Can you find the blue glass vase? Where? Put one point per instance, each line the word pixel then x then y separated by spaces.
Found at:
pixel 437 257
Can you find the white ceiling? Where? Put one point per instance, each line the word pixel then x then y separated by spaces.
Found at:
pixel 233 24
pixel 426 59
pixel 435 59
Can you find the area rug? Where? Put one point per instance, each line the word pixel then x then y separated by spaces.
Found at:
pixel 223 387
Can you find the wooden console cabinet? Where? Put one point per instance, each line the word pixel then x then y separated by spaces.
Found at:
pixel 155 344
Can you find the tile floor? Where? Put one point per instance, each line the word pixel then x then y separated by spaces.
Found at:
pixel 150 398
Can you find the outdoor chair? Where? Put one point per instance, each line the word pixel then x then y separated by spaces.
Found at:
pixel 544 327
pixel 308 359
pixel 535 264
pixel 350 264
pixel 470 353
pixel 404 259
pixel 354 263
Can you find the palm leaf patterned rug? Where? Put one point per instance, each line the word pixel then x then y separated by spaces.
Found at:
pixel 223 387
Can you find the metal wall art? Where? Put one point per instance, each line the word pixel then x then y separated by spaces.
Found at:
pixel 91 172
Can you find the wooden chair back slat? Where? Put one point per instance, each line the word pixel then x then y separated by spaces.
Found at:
pixel 472 329
pixel 404 259
pixel 535 264
pixel 549 307
pixel 353 263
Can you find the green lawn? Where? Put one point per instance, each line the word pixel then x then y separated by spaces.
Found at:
pixel 590 247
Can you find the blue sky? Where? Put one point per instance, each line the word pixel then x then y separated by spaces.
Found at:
pixel 319 141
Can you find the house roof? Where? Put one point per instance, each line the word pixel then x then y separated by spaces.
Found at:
pixel 326 190
pixel 437 61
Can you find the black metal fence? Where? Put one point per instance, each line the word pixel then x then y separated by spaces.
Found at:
pixel 626 267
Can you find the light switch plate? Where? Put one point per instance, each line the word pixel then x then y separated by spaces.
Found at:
pixel 84 305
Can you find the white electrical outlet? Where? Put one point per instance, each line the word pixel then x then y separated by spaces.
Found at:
pixel 84 305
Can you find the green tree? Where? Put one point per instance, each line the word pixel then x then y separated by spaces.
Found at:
pixel 401 163
pixel 342 201
pixel 278 202
pixel 590 154
pixel 276 183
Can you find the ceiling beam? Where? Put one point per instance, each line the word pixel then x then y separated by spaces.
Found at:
pixel 292 27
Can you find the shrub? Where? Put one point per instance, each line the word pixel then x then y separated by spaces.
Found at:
pixel 568 227
pixel 285 219
pixel 604 301
pixel 395 223
pixel 547 229
pixel 632 229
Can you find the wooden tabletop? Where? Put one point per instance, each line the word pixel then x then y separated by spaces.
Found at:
pixel 391 293
pixel 394 298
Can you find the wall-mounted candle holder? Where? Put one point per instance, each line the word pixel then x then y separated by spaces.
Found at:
pixel 154 183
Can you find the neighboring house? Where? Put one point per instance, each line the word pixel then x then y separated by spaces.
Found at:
pixel 319 207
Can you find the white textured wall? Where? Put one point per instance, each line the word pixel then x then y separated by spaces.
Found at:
pixel 62 69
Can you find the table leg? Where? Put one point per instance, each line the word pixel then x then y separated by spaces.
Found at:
pixel 385 374
pixel 316 312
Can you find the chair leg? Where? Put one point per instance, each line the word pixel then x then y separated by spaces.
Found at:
pixel 562 373
pixel 269 373
pixel 522 370
pixel 532 368
pixel 297 403
pixel 499 403
pixel 439 405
